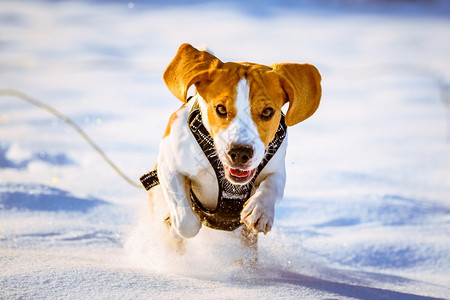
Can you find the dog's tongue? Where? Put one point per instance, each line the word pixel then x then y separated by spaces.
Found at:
pixel 239 173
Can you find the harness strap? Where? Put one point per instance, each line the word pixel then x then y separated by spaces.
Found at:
pixel 226 216
pixel 149 180
pixel 231 197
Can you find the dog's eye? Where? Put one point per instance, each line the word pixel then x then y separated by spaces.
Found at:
pixel 267 113
pixel 221 110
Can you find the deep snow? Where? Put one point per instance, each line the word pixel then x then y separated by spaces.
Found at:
pixel 366 211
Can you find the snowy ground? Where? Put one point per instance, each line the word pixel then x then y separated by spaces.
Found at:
pixel 366 213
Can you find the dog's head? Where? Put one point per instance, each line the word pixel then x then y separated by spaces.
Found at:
pixel 243 102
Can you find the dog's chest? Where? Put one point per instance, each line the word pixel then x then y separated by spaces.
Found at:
pixel 205 186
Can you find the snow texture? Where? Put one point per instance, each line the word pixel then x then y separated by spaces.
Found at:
pixel 366 212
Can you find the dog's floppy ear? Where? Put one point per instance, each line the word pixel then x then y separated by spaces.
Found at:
pixel 301 82
pixel 189 66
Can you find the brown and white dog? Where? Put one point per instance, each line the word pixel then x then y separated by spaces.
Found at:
pixel 239 106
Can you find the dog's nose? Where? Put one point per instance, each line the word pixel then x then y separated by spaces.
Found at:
pixel 240 154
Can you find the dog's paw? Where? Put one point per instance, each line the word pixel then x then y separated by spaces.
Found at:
pixel 258 214
pixel 185 224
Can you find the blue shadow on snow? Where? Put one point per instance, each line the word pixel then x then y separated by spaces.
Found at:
pixel 43 198
pixel 343 289
pixel 59 159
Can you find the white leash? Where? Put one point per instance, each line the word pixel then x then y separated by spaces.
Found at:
pixel 61 116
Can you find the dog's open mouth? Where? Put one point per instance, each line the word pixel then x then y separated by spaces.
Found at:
pixel 239 176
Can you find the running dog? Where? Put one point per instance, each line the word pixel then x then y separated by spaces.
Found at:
pixel 221 161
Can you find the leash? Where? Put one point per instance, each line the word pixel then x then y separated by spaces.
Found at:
pixel 65 119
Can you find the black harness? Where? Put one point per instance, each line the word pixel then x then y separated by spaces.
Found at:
pixel 231 197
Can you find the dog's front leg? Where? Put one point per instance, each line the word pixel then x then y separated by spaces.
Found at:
pixel 259 211
pixel 175 187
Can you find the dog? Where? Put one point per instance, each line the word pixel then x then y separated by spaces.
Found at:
pixel 221 161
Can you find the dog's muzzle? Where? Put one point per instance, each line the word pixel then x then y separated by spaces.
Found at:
pixel 238 170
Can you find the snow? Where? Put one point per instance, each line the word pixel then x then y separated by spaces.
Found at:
pixel 366 211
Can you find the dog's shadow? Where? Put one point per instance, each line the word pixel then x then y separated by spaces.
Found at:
pixel 340 289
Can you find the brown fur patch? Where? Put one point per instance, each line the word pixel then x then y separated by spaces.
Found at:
pixel 221 90
pixel 172 119
pixel 265 92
